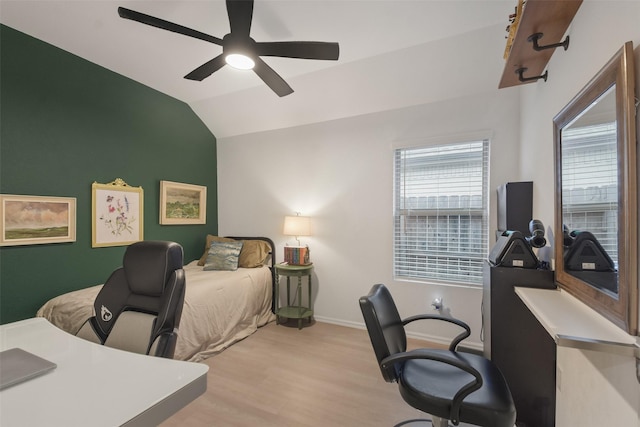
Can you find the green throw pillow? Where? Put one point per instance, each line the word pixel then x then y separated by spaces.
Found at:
pixel 223 256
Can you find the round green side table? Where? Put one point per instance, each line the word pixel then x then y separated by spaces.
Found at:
pixel 293 309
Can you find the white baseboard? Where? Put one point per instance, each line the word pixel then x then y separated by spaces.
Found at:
pixel 426 337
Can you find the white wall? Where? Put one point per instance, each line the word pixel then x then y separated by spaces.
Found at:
pixel 598 31
pixel 341 173
pixel 595 389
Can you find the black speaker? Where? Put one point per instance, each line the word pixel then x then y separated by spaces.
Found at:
pixel 512 250
pixel 586 254
pixel 515 206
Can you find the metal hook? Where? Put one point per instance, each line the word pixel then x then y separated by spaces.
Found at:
pixel 520 72
pixel 535 37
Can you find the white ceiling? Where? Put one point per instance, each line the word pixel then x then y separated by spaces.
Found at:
pixel 393 53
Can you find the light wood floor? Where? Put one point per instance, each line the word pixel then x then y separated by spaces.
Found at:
pixel 322 375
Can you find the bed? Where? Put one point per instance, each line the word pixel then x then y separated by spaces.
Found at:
pixel 221 306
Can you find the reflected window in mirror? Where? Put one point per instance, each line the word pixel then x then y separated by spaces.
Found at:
pixel 590 195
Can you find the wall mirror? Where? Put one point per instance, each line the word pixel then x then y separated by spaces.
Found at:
pixel 596 194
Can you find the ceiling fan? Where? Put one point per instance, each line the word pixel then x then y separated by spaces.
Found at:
pixel 241 51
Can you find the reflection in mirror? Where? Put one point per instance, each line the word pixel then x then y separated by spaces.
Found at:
pixel 590 195
pixel 596 194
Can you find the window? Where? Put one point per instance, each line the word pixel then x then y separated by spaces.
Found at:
pixel 441 211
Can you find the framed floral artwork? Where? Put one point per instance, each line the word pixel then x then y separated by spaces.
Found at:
pixel 117 214
pixel 182 203
pixel 34 220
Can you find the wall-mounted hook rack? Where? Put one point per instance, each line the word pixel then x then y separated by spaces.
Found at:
pixel 523 79
pixel 537 36
pixel 548 17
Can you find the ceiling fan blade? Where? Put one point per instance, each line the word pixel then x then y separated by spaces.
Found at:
pixel 166 25
pixel 206 69
pixel 304 50
pixel 240 15
pixel 271 78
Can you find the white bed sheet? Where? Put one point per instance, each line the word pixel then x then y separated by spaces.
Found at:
pixel 220 308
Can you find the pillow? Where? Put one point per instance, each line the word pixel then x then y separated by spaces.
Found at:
pixel 254 253
pixel 223 256
pixel 210 239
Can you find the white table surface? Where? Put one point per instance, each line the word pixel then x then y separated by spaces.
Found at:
pixel 571 323
pixel 93 385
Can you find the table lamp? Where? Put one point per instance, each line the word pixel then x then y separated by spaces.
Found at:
pixel 297 226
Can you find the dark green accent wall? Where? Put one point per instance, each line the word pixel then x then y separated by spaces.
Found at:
pixel 65 123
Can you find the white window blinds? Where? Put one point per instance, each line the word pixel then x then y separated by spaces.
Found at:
pixel 440 213
pixel 590 183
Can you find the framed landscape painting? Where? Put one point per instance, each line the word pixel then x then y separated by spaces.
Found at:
pixel 34 220
pixel 117 214
pixel 182 203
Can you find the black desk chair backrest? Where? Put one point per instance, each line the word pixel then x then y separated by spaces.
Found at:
pixel 139 307
pixel 385 328
pixel 447 384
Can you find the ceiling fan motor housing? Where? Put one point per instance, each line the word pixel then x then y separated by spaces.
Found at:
pixel 241 45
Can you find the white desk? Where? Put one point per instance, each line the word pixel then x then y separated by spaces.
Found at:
pixel 93 385
pixel 572 324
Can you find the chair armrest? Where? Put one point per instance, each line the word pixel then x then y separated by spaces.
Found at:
pixel 449 358
pixel 456 340
pixel 164 345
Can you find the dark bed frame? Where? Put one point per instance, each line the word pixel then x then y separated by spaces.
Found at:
pixel 271 266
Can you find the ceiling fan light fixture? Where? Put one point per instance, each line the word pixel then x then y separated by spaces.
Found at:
pixel 240 61
pixel 239 50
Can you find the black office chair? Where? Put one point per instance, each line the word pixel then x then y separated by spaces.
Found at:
pixel 139 307
pixel 447 384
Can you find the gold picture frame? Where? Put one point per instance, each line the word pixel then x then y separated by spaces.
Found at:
pixel 117 214
pixel 36 220
pixel 182 204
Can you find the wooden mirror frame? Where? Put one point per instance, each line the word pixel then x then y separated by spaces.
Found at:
pixel 622 311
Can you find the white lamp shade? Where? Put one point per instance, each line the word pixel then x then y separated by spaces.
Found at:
pixel 297 226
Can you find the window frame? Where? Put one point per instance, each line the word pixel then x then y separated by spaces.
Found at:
pixel 474 214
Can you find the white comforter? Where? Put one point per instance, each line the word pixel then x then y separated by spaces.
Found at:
pixel 220 308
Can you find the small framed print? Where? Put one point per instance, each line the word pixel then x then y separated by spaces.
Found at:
pixel 34 220
pixel 117 214
pixel 182 203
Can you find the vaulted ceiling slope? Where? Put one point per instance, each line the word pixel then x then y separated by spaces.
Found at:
pixel 393 53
